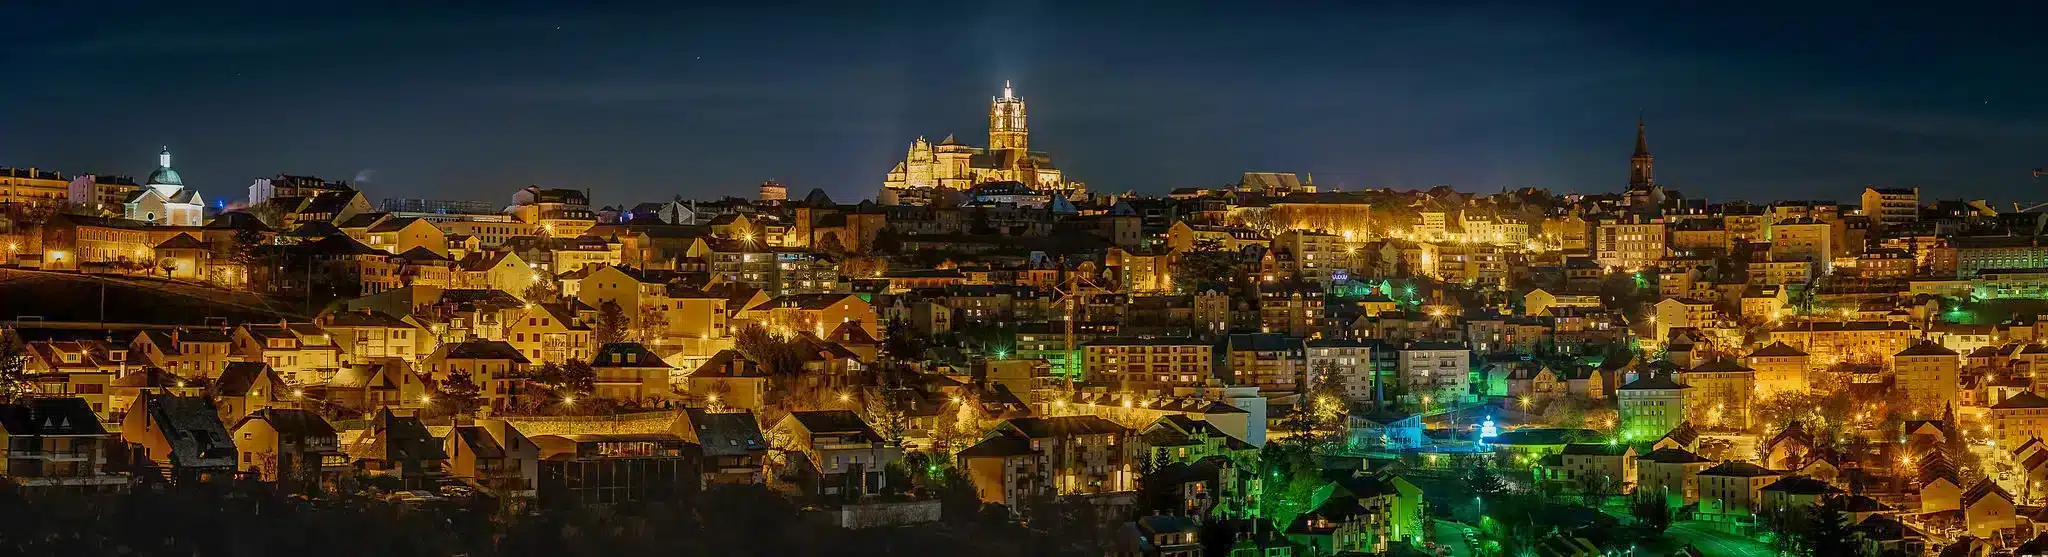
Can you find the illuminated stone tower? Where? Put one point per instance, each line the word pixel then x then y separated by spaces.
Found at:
pixel 1006 122
pixel 1641 171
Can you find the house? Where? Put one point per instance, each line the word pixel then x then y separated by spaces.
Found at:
pixel 1062 455
pixel 1988 510
pixel 1940 487
pixel 1606 468
pixel 369 334
pixel 1181 438
pixel 499 371
pixel 55 443
pixel 179 435
pixel 400 446
pixel 628 371
pixel 1157 536
pixel 493 456
pixel 590 469
pixel 1195 488
pixel 243 388
pixel 1795 494
pixel 1392 508
pixel 1789 448
pixel 728 380
pixel 1883 535
pixel 2018 418
pixel 734 449
pixel 549 334
pixel 302 353
pixel 121 394
pixel 288 445
pixel 192 353
pixel 369 385
pixel 840 454
pixel 1671 473
pixel 1732 489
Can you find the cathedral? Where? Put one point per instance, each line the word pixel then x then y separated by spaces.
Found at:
pixel 164 200
pixel 952 165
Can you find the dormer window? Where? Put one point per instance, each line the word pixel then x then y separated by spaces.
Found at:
pixel 71 358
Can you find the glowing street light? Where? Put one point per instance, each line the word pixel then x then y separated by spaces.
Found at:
pixel 568 401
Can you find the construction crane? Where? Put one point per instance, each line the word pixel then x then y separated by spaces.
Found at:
pixel 2038 173
pixel 1077 284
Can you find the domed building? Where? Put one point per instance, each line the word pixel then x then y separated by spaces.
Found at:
pixel 164 200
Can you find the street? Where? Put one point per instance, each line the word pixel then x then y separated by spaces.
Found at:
pixel 1714 542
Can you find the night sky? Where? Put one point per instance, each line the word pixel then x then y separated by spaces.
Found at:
pixel 645 102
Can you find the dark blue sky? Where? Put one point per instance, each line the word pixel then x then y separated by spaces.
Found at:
pixel 641 102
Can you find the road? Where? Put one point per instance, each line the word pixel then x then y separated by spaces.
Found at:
pixel 1714 542
pixel 1451 536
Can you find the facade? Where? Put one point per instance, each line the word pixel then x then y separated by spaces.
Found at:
pixel 1671 473
pixel 1439 370
pixel 841 455
pixel 1889 207
pixel 1650 407
pixel 1928 374
pixel 1148 365
pixel 1062 455
pixel 1733 489
pixel 55 443
pixel 1635 242
pixel 1779 368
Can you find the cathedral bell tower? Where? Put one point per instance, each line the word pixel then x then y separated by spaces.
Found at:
pixel 1641 172
pixel 1006 122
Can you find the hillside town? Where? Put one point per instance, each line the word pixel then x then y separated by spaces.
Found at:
pixel 1262 368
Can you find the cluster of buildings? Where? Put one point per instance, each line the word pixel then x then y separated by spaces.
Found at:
pixel 1043 339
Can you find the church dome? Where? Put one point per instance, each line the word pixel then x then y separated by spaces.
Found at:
pixel 164 176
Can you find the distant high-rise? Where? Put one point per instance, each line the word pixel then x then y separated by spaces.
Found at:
pixel 1641 168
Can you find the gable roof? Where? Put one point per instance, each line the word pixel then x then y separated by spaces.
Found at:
pixel 1985 488
pixel 1738 469
pixel 1042 428
pixel 2025 399
pixel 238 377
pixel 484 350
pixel 191 426
pixel 626 354
pixel 291 421
pixel 727 433
pixel 1777 349
pixel 834 421
pixel 50 416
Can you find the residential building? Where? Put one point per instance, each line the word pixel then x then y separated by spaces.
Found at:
pixel 1733 490
pixel 1779 368
pixel 1062 455
pixel 1890 207
pixel 494 456
pixel 1722 392
pixel 288 445
pixel 2018 418
pixel 1438 370
pixel 586 469
pixel 1148 365
pixel 56 443
pixel 835 452
pixel 1270 361
pixel 1928 374
pixel 1671 473
pixel 628 371
pixel 182 436
pixel 1650 406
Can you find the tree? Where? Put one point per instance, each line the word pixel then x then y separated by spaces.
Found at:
pixel 14 381
pixel 458 394
pixel 541 291
pixel 1208 265
pixel 1653 512
pixel 830 245
pixel 900 341
pixel 1826 533
pixel 776 356
pixel 612 324
pixel 1480 478
pixel 653 325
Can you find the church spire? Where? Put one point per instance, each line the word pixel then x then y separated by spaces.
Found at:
pixel 1641 166
pixel 163 159
pixel 1006 128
